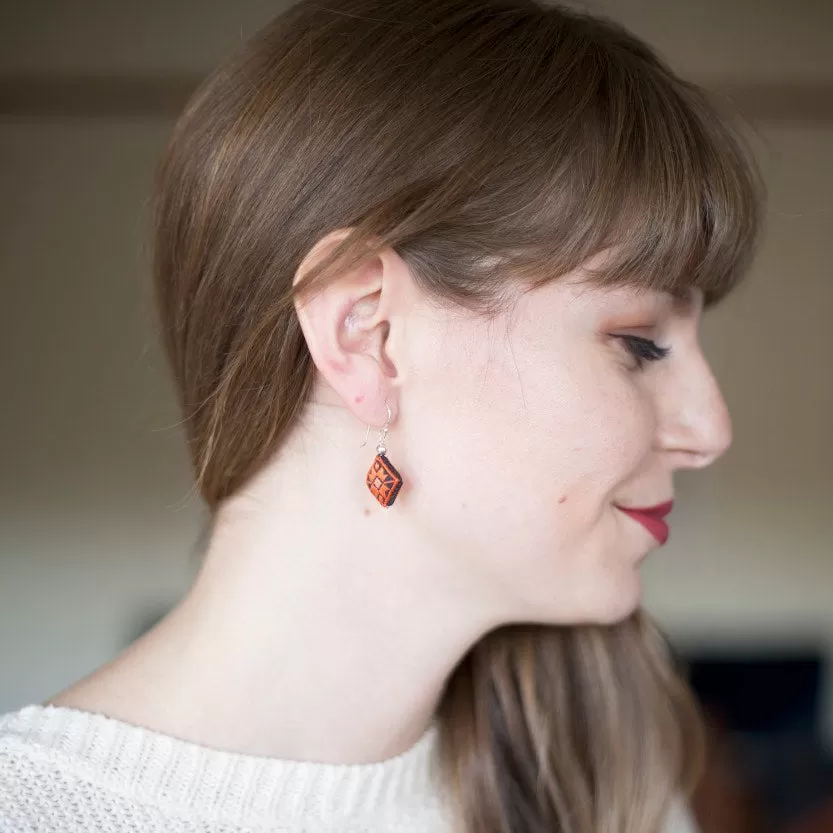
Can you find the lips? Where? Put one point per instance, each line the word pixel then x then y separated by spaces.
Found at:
pixel 652 519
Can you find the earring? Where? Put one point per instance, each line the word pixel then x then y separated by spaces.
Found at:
pixel 383 480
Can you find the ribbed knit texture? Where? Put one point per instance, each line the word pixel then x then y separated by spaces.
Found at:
pixel 67 771
pixel 64 771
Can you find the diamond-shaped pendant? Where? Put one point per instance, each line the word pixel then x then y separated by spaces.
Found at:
pixel 383 480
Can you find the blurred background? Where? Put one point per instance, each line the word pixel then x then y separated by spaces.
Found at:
pixel 99 529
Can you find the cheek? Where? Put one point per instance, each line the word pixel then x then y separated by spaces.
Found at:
pixel 470 441
pixel 604 440
pixel 508 448
pixel 593 425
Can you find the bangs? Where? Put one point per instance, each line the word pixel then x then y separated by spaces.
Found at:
pixel 542 140
pixel 689 199
pixel 659 180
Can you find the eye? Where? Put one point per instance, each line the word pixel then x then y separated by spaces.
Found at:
pixel 643 350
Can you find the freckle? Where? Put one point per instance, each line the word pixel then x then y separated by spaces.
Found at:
pixel 366 512
pixel 359 399
pixel 562 499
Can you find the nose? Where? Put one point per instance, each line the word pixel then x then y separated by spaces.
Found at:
pixel 694 424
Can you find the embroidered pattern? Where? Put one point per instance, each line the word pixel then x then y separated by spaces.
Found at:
pixel 383 480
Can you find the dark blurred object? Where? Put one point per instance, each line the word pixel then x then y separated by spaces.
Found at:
pixel 819 821
pixel 767 762
pixel 726 800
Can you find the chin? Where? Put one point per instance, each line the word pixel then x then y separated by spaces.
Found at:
pixel 607 594
pixel 616 615
pixel 622 601
pixel 606 609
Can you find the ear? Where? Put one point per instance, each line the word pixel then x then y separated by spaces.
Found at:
pixel 348 327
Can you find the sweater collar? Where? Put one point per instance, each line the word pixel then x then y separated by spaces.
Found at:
pixel 195 780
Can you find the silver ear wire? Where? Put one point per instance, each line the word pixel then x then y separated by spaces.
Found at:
pixel 381 448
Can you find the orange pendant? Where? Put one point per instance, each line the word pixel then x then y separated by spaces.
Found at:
pixel 383 480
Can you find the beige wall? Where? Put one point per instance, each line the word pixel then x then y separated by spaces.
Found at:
pixel 743 40
pixel 96 524
pixel 93 477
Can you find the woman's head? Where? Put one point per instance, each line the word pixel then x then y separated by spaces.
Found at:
pixel 502 221
pixel 530 193
pixel 525 434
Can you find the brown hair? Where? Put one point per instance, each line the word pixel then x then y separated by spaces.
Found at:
pixel 486 141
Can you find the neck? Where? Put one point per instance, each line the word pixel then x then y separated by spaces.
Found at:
pixel 316 629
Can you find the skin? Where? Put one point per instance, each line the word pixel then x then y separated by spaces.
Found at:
pixel 323 626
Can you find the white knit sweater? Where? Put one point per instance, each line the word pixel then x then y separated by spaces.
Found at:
pixel 67 771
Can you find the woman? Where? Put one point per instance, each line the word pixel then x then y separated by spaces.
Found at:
pixel 488 230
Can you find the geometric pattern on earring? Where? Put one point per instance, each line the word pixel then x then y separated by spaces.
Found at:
pixel 383 480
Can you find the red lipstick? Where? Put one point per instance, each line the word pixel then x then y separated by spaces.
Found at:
pixel 652 519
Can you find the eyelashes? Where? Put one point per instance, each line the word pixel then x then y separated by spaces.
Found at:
pixel 643 350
